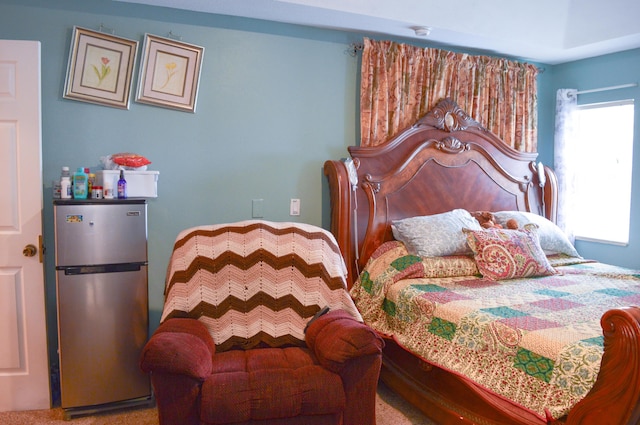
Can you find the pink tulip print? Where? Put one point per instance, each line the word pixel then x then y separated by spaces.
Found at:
pixel 105 69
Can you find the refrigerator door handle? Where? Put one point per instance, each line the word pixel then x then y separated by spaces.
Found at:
pixel 101 268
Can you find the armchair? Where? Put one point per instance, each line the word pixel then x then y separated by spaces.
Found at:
pixel 232 345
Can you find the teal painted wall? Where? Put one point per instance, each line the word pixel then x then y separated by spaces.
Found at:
pixel 600 72
pixel 275 102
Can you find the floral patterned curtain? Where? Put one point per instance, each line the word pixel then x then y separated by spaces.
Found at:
pixel 400 83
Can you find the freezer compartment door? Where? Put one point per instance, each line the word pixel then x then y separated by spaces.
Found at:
pixel 100 233
pixel 103 326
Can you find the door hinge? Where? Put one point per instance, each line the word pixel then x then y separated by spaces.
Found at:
pixel 41 244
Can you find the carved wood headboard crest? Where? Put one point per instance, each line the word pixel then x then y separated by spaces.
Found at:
pixel 446 160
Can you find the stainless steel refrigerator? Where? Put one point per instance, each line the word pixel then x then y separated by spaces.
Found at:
pixel 102 302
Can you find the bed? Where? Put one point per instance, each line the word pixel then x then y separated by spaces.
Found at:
pixel 429 303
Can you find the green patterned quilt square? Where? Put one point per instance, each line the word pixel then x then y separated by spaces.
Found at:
pixel 365 281
pixel 389 307
pixel 442 328
pixel 533 364
pixel 405 261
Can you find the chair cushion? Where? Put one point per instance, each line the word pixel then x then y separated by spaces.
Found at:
pixel 269 383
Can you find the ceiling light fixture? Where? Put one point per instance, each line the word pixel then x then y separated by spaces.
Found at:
pixel 422 31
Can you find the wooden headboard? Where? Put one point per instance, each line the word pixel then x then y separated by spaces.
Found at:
pixel 445 161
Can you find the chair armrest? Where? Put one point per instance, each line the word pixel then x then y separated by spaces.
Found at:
pixel 179 346
pixel 336 337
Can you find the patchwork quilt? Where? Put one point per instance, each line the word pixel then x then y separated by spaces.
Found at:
pixel 535 341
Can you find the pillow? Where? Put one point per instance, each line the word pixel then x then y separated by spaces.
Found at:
pixel 391 259
pixel 453 266
pixel 552 239
pixel 508 254
pixel 435 235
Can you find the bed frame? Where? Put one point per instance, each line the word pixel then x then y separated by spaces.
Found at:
pixel 447 160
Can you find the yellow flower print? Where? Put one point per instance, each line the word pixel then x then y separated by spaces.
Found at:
pixel 171 71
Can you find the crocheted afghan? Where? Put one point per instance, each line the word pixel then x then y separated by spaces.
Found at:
pixel 255 283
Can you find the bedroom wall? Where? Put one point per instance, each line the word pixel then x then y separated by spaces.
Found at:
pixel 275 102
pixel 600 72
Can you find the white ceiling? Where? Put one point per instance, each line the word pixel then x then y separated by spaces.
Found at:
pixel 546 31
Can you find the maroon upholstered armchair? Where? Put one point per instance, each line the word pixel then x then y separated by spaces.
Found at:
pixel 241 340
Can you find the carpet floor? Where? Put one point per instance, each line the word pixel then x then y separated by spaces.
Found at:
pixel 391 409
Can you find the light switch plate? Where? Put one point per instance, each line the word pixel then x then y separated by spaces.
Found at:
pixel 294 207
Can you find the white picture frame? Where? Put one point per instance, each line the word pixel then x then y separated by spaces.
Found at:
pixel 170 73
pixel 100 68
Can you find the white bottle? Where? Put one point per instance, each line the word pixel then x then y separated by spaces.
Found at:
pixel 107 191
pixel 65 183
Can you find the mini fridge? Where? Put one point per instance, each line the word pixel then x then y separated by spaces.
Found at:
pixel 102 303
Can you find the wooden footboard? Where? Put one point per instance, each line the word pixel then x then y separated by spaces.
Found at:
pixel 445 397
pixel 615 397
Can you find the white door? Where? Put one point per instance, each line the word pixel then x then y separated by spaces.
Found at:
pixel 24 366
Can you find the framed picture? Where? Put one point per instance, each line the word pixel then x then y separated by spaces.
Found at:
pixel 100 68
pixel 170 73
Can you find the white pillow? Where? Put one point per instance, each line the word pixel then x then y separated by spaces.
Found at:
pixel 552 239
pixel 435 235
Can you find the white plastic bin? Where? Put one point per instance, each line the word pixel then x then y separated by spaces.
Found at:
pixel 140 184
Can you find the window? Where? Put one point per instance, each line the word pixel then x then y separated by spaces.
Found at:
pixel 603 171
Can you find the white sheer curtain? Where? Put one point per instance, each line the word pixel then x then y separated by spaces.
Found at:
pixel 565 146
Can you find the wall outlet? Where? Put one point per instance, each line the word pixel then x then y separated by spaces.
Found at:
pixel 257 208
pixel 294 207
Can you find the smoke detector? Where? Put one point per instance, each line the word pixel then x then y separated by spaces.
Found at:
pixel 422 31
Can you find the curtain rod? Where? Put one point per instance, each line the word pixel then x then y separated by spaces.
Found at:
pixel 353 49
pixel 622 86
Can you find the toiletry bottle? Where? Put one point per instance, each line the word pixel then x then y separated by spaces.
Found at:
pixel 65 183
pixel 108 187
pixel 80 184
pixel 122 186
pixel 55 188
pixel 91 180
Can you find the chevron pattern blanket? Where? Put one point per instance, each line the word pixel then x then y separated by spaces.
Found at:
pixel 255 283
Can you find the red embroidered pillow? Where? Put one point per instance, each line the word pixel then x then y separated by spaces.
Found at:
pixel 508 254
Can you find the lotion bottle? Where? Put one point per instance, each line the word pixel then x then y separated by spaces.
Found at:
pixel 65 183
pixel 122 186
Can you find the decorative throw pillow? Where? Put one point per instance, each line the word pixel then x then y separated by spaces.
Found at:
pixel 451 266
pixel 392 258
pixel 508 254
pixel 552 239
pixel 435 235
